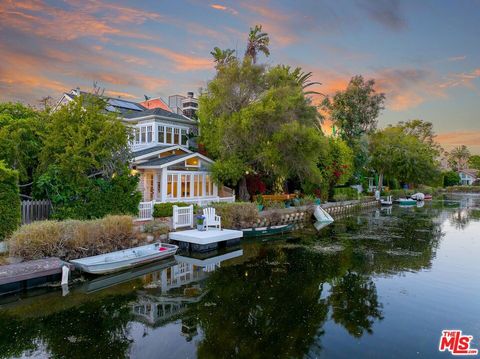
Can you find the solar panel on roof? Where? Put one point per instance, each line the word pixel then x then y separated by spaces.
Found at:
pixel 124 104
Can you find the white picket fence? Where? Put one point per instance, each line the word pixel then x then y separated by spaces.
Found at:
pixel 145 211
pixel 182 216
pixel 35 210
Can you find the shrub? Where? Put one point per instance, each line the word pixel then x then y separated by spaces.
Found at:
pixel 273 205
pixel 237 215
pixel 344 194
pixel 10 215
pixel 451 178
pixel 398 193
pixel 166 209
pixel 72 238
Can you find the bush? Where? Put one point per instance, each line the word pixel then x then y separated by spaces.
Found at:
pixel 72 238
pixel 166 209
pixel 273 205
pixel 237 215
pixel 400 193
pixel 451 178
pixel 344 194
pixel 10 215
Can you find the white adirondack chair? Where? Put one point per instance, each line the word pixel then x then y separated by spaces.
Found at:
pixel 211 219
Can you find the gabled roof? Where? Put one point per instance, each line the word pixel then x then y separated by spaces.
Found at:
pixel 161 161
pixel 157 112
pixel 171 160
pixel 156 150
pixel 148 150
pixel 470 171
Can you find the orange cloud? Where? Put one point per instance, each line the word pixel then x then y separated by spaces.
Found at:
pixel 224 8
pixel 181 62
pixel 470 139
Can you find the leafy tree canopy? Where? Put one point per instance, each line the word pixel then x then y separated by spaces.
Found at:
pixel 458 157
pixel 355 110
pixel 83 165
pixel 395 154
pixel 21 131
pixel 474 162
pixel 255 119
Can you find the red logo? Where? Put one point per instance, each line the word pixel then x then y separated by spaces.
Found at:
pixel 456 343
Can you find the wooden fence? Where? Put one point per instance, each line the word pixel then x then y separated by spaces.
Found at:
pixel 35 210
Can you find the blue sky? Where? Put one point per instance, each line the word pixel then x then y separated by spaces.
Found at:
pixel 423 54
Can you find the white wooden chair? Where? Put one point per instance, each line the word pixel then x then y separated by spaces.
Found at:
pixel 211 219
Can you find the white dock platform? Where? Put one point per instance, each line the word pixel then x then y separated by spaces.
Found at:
pixel 205 240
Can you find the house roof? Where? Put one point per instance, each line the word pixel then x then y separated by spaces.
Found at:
pixel 148 150
pixel 155 103
pixel 156 162
pixel 157 112
pixel 117 105
pixel 470 171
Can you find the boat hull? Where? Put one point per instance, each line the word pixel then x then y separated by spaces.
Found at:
pixel 121 260
pixel 266 231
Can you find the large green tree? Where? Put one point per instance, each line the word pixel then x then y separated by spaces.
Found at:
pixel 83 165
pixel 257 120
pixel 403 156
pixel 9 201
pixel 21 130
pixel 355 110
pixel 474 162
pixel 258 41
pixel 354 114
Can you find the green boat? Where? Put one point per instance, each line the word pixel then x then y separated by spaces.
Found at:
pixel 406 201
pixel 266 231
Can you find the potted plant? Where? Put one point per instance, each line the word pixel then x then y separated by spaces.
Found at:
pixel 200 222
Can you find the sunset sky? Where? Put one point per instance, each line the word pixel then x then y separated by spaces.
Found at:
pixel 425 55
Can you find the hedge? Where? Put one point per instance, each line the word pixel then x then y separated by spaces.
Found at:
pixel 237 214
pixel 10 215
pixel 344 194
pixel 166 209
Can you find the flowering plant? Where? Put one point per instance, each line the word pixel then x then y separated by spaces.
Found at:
pixel 200 219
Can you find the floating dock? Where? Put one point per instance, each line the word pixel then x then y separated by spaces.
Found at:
pixel 202 241
pixel 25 275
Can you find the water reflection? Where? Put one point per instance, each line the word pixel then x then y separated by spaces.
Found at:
pixel 266 299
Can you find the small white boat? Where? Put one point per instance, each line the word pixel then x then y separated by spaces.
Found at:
pixel 321 215
pixel 127 258
pixel 418 196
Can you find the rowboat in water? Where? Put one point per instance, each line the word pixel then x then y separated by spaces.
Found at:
pixel 406 201
pixel 127 258
pixel 266 231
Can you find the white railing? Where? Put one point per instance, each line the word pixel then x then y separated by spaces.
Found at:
pixel 182 216
pixel 145 211
pixel 35 210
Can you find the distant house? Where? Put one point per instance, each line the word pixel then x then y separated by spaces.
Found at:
pixel 468 176
pixel 163 153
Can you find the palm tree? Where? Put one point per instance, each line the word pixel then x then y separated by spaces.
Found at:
pixel 222 57
pixel 458 157
pixel 258 41
pixel 303 79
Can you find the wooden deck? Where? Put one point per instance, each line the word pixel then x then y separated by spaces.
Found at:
pixel 14 277
pixel 205 240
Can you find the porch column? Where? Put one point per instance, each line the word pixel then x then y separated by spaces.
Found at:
pixel 179 185
pixel 191 178
pixel 204 190
pixel 163 187
pixel 215 188
pixel 155 186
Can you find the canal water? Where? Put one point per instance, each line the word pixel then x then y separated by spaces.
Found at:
pixel 382 283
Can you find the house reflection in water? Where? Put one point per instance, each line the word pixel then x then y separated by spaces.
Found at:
pixel 167 293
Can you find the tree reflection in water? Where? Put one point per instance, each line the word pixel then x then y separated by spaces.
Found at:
pixel 272 302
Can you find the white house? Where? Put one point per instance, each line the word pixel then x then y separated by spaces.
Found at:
pixel 468 176
pixel 170 169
